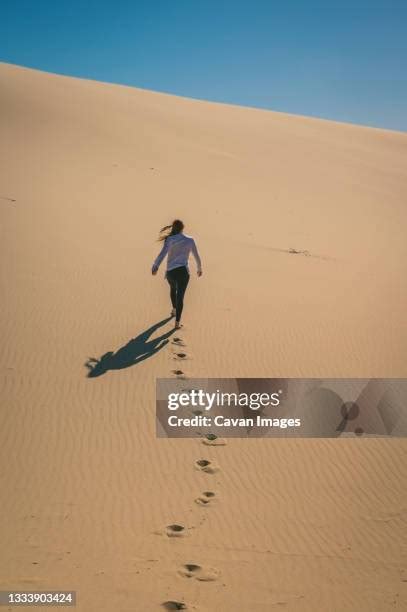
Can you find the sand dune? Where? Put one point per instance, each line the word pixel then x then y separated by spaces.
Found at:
pixel 301 224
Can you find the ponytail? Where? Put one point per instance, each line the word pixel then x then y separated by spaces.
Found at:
pixel 176 227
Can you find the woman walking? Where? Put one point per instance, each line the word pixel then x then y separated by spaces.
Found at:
pixel 177 246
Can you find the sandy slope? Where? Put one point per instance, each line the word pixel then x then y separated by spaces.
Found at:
pixel 88 174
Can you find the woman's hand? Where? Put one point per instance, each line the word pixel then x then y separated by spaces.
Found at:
pixel 154 270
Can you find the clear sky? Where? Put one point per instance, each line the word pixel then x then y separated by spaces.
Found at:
pixel 343 60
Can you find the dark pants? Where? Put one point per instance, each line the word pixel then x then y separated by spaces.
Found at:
pixel 178 279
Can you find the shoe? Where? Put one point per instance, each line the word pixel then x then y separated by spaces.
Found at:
pixel 178 325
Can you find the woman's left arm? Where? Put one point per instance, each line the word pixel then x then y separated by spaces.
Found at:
pixel 160 257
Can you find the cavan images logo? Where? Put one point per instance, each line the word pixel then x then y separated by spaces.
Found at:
pixel 289 407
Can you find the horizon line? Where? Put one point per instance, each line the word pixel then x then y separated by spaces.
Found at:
pixel 205 100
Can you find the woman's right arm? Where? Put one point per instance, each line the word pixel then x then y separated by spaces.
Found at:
pixel 197 258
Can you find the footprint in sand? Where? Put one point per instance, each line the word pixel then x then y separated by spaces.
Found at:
pixel 179 373
pixel 203 574
pixel 175 531
pixel 180 356
pixel 207 498
pixel 178 341
pixel 174 605
pixel 213 440
pixel 204 465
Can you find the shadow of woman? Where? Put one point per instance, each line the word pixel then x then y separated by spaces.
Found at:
pixel 136 350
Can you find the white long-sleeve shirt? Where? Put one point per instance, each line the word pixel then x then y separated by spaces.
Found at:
pixel 178 248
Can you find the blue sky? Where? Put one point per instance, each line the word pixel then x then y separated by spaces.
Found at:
pixel 337 60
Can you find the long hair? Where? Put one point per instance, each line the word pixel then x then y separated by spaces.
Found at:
pixel 176 227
